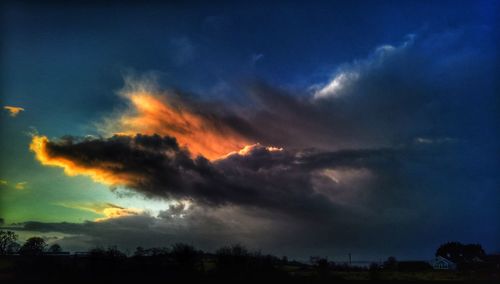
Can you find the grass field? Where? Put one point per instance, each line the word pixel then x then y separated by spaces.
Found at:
pixel 13 267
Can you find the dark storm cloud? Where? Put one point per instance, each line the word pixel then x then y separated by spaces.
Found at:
pixel 151 164
pixel 62 227
pixel 267 178
pixel 322 196
pixel 375 201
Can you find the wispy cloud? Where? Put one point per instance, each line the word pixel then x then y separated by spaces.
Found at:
pixel 21 185
pixel 256 57
pixel 13 110
pixel 18 186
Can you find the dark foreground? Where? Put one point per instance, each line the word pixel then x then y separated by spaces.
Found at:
pixel 210 268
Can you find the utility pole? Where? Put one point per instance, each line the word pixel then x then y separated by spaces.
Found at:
pixel 350 262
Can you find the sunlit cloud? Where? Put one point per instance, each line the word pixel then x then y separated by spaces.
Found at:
pixel 116 212
pixel 39 147
pixel 151 112
pixel 333 88
pixel 247 150
pixel 440 140
pixel 107 210
pixel 348 75
pixel 13 110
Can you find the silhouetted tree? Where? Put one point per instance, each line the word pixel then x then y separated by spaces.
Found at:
pixel 374 271
pixel 33 246
pixel 114 252
pixel 186 257
pixel 111 253
pixel 139 252
pixel 232 260
pixel 7 239
pixel 321 265
pixel 473 250
pixel 284 259
pixel 391 263
pixel 55 248
pixel 13 248
pixel 238 263
pixel 97 252
pixel 458 252
pixel 158 252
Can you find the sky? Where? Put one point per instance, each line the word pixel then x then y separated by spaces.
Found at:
pixel 297 128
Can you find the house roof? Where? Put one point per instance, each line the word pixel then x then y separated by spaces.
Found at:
pixel 440 258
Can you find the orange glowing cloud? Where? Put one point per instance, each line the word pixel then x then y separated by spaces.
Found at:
pixel 152 113
pixel 39 147
pixel 13 110
pixel 117 212
pixel 196 128
pixel 108 210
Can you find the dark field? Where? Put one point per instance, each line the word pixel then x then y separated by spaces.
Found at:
pixel 210 268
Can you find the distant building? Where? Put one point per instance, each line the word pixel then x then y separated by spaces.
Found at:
pixel 442 263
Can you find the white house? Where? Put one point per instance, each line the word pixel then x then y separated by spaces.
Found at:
pixel 442 263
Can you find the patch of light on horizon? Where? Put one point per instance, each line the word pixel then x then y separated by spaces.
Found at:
pixel 151 206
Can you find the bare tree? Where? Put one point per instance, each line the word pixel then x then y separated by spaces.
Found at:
pixel 7 241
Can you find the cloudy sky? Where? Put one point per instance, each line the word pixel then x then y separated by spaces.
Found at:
pixel 368 127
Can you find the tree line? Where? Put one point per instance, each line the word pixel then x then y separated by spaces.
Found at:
pixel 32 246
pixel 454 251
pixel 180 261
